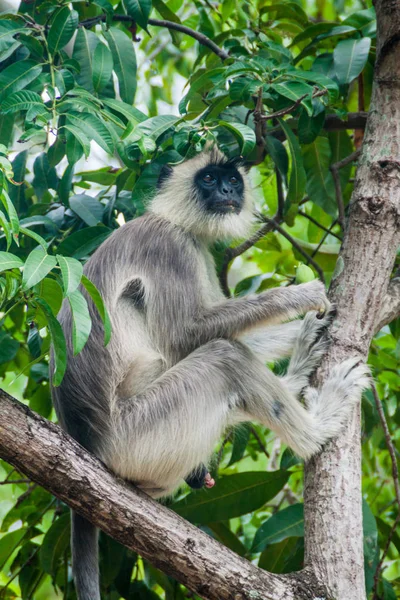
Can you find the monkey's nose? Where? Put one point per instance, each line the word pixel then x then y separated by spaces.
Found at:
pixel 226 190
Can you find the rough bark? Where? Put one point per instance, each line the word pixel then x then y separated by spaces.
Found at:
pixel 333 537
pixel 50 457
pixel 390 308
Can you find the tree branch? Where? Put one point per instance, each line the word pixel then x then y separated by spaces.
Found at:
pixel 335 168
pixel 334 544
pixel 46 454
pixel 390 308
pixel 200 37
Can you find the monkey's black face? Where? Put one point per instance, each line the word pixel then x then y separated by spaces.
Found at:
pixel 220 189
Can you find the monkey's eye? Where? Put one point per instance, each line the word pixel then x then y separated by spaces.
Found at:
pixel 233 180
pixel 208 178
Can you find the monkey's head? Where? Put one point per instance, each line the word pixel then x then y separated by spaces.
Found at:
pixel 208 195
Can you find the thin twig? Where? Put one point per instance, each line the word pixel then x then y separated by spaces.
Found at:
pixel 8 481
pixel 289 109
pixel 200 37
pixel 395 475
pixel 335 168
pixel 318 224
pixel 323 240
pixel 232 253
pixel 297 246
pixel 259 442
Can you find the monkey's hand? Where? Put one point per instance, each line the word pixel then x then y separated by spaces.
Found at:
pixel 315 295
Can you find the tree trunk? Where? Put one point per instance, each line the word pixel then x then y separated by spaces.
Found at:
pixel 334 539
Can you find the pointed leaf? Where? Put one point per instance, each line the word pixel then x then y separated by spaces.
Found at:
pixel 11 212
pixel 54 544
pixel 22 100
pixel 232 496
pixel 37 266
pixel 58 341
pixel 81 321
pixel 9 261
pixel 93 128
pixel 87 208
pixel 350 57
pixel 81 243
pixel 63 26
pixel 139 10
pixel 124 57
pixel 156 126
pixel 288 522
pixel 320 185
pixel 102 67
pixel 244 134
pixel 99 304
pixel 71 273
pixel 17 76
pixel 84 48
pixel 297 179
pixel 80 137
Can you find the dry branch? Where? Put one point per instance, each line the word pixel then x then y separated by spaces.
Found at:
pixel 47 455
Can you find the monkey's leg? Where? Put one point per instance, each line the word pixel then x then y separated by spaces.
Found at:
pixel 162 434
pixel 272 342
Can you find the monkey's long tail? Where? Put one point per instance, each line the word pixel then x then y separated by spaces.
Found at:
pixel 85 559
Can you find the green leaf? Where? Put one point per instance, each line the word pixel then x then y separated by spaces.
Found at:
pixel 321 80
pixel 8 542
pixel 63 26
pixel 240 441
pixel 205 79
pixel 81 139
pixel 244 134
pixel 297 180
pixel 21 101
pixel 139 10
pixel 71 273
pixel 35 236
pixel 50 291
pixel 17 76
pixel 124 57
pixel 156 126
pixel 93 128
pixel 349 58
pixel 102 67
pixel 371 550
pixel 37 266
pixel 84 48
pixel 45 175
pixel 58 341
pixel 34 342
pixel 278 154
pixel 284 557
pixel 54 544
pixel 320 185
pixel 232 496
pixel 8 347
pixel 11 212
pixel 165 11
pixel 294 90
pixel 81 321
pixel 5 226
pixel 288 522
pixel 87 208
pixel 130 112
pixel 17 192
pixel 99 304
pixel 309 126
pixel 81 243
pixel 9 261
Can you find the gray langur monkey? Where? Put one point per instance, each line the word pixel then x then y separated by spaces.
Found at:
pixel 184 362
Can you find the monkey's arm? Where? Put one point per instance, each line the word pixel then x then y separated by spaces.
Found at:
pixel 236 316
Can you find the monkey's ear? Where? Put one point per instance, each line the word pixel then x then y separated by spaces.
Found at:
pixel 165 173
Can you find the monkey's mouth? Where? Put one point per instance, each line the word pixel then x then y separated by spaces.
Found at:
pixel 229 206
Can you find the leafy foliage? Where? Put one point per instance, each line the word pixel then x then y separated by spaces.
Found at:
pixel 83 84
